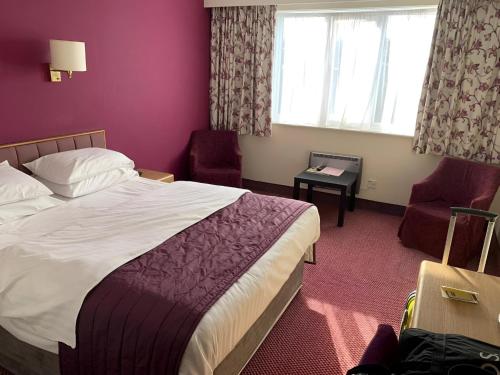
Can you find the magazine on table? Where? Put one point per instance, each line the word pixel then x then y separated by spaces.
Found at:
pixel 328 171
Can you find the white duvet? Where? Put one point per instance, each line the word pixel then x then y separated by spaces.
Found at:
pixel 50 261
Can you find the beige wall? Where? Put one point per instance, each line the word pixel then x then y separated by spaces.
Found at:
pixel 387 159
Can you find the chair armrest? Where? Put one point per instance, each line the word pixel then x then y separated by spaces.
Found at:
pixel 481 203
pixel 424 191
pixel 193 158
pixel 238 156
pixel 477 224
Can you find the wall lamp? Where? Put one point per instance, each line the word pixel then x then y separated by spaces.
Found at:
pixel 66 56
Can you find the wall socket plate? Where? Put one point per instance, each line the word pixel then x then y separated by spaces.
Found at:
pixel 55 76
pixel 371 184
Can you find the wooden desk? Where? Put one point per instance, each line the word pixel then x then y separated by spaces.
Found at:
pixel 156 175
pixel 437 314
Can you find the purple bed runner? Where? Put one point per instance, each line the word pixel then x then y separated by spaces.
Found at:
pixel 140 318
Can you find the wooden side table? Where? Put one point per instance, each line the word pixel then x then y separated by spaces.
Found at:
pixel 156 175
pixel 441 315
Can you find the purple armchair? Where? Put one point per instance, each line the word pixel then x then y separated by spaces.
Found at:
pixel 455 182
pixel 215 157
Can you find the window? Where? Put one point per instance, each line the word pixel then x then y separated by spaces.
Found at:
pixel 354 70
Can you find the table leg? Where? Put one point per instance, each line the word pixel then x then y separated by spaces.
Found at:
pixel 342 204
pixel 296 189
pixel 352 197
pixel 310 193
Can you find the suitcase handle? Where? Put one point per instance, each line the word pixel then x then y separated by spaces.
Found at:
pixel 490 216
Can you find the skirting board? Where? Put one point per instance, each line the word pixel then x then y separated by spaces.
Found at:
pixel 319 196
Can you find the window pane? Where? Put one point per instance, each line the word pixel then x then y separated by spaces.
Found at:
pixel 355 70
pixel 409 40
pixel 301 52
pixel 358 42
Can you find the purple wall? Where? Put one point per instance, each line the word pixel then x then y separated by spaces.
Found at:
pixel 146 84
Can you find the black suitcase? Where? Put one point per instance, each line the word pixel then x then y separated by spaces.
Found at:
pixel 422 352
pixel 426 353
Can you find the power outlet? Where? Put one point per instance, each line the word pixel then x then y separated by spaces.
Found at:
pixel 371 184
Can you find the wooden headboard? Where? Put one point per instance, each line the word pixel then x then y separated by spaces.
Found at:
pixel 19 153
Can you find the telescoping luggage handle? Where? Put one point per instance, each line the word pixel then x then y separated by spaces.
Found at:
pixel 490 216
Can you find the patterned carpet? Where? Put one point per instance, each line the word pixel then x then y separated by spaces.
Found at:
pixel 362 278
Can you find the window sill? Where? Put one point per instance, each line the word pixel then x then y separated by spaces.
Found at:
pixel 345 130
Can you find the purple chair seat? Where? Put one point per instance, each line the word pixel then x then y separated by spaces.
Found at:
pixel 219 176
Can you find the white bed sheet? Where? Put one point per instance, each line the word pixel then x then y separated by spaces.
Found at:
pixel 47 265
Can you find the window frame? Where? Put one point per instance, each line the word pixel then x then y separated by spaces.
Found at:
pixel 375 127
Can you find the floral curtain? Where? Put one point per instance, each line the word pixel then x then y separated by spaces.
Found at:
pixel 459 112
pixel 241 69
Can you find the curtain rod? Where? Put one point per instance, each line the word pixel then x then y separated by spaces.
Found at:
pixel 318 4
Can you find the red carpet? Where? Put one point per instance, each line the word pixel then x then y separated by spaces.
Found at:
pixel 362 279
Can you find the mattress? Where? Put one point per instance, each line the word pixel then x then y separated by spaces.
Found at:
pixel 181 203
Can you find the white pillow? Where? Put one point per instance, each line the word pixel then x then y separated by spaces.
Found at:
pixel 6 162
pixel 73 166
pixel 92 184
pixel 17 186
pixel 18 210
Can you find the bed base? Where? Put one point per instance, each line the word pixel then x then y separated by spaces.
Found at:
pixel 238 358
pixel 23 359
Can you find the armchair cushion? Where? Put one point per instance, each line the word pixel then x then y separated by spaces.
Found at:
pixel 218 176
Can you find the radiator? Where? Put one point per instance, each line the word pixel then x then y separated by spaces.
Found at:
pixel 351 163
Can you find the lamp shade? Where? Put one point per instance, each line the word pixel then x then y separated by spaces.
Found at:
pixel 67 56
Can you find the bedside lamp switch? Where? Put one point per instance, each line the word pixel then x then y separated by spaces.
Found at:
pixel 55 76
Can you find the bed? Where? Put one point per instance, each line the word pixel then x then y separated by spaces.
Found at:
pixel 231 330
